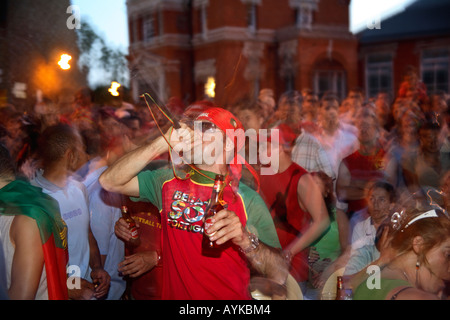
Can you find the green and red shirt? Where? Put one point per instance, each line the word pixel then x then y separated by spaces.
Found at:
pixel 21 198
pixel 187 274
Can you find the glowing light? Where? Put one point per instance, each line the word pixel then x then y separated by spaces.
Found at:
pixel 64 61
pixel 210 87
pixel 113 89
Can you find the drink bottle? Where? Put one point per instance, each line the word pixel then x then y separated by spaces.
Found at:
pixel 131 225
pixel 216 204
pixel 341 293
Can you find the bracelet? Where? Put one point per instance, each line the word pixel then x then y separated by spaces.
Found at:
pixel 254 243
pixel 287 255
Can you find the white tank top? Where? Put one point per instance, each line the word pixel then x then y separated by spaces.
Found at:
pixel 8 249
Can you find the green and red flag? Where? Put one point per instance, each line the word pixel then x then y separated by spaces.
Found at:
pixel 21 198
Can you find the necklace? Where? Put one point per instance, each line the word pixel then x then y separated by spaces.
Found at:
pixel 406 276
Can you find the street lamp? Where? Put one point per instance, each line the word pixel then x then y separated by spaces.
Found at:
pixel 64 61
pixel 210 87
pixel 113 90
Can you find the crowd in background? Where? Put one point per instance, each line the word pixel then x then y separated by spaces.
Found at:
pixel 367 155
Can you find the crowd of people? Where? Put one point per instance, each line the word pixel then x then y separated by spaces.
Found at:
pixel 359 182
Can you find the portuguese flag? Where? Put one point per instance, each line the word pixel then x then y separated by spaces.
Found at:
pixel 21 198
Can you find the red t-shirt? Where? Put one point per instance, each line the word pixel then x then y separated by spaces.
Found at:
pixel 187 274
pixel 148 286
pixel 279 191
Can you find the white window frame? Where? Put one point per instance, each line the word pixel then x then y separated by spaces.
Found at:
pixel 379 68
pixel 335 76
pixel 435 64
pixel 148 27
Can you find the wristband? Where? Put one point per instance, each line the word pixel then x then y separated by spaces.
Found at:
pixel 254 243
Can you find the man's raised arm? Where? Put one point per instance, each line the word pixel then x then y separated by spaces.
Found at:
pixel 121 177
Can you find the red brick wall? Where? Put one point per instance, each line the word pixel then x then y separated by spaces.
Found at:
pixel 332 12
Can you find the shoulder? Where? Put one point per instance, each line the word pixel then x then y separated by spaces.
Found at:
pixel 352 156
pixel 24 221
pixel 24 228
pixel 160 175
pixel 249 196
pixel 154 179
pixel 307 138
pixel 297 169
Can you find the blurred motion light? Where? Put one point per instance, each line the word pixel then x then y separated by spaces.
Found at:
pixel 113 90
pixel 210 87
pixel 64 61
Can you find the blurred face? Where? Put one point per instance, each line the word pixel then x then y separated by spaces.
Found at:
pixel 412 79
pixel 77 155
pixel 383 97
pixel 411 94
pixel 14 127
pixel 283 110
pixel 310 103
pixel 378 204
pixel 438 104
pixel 367 130
pixel 82 99
pixel 267 108
pixel 50 119
pixel 111 127
pixel 134 128
pixel 250 120
pixel 355 96
pixel 295 114
pixel 382 110
pixel 409 126
pixel 433 275
pixel 429 141
pixel 398 109
pixel 329 114
pixel 213 142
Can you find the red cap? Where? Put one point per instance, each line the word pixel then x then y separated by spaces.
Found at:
pixel 287 135
pixel 226 122
pixel 234 129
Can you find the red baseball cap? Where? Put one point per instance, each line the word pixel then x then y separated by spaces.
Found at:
pixel 233 128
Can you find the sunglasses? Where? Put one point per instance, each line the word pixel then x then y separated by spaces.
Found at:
pixel 205 126
pixel 208 127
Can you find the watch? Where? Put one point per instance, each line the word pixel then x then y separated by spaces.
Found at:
pixel 254 243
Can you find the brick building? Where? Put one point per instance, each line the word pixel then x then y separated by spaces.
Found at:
pixel 419 36
pixel 242 46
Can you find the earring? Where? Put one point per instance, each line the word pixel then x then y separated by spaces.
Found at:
pixel 417 273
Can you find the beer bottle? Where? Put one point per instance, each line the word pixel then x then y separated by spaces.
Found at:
pixel 134 241
pixel 339 288
pixel 216 204
pixel 341 292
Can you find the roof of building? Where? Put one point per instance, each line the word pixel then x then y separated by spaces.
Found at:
pixel 423 18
